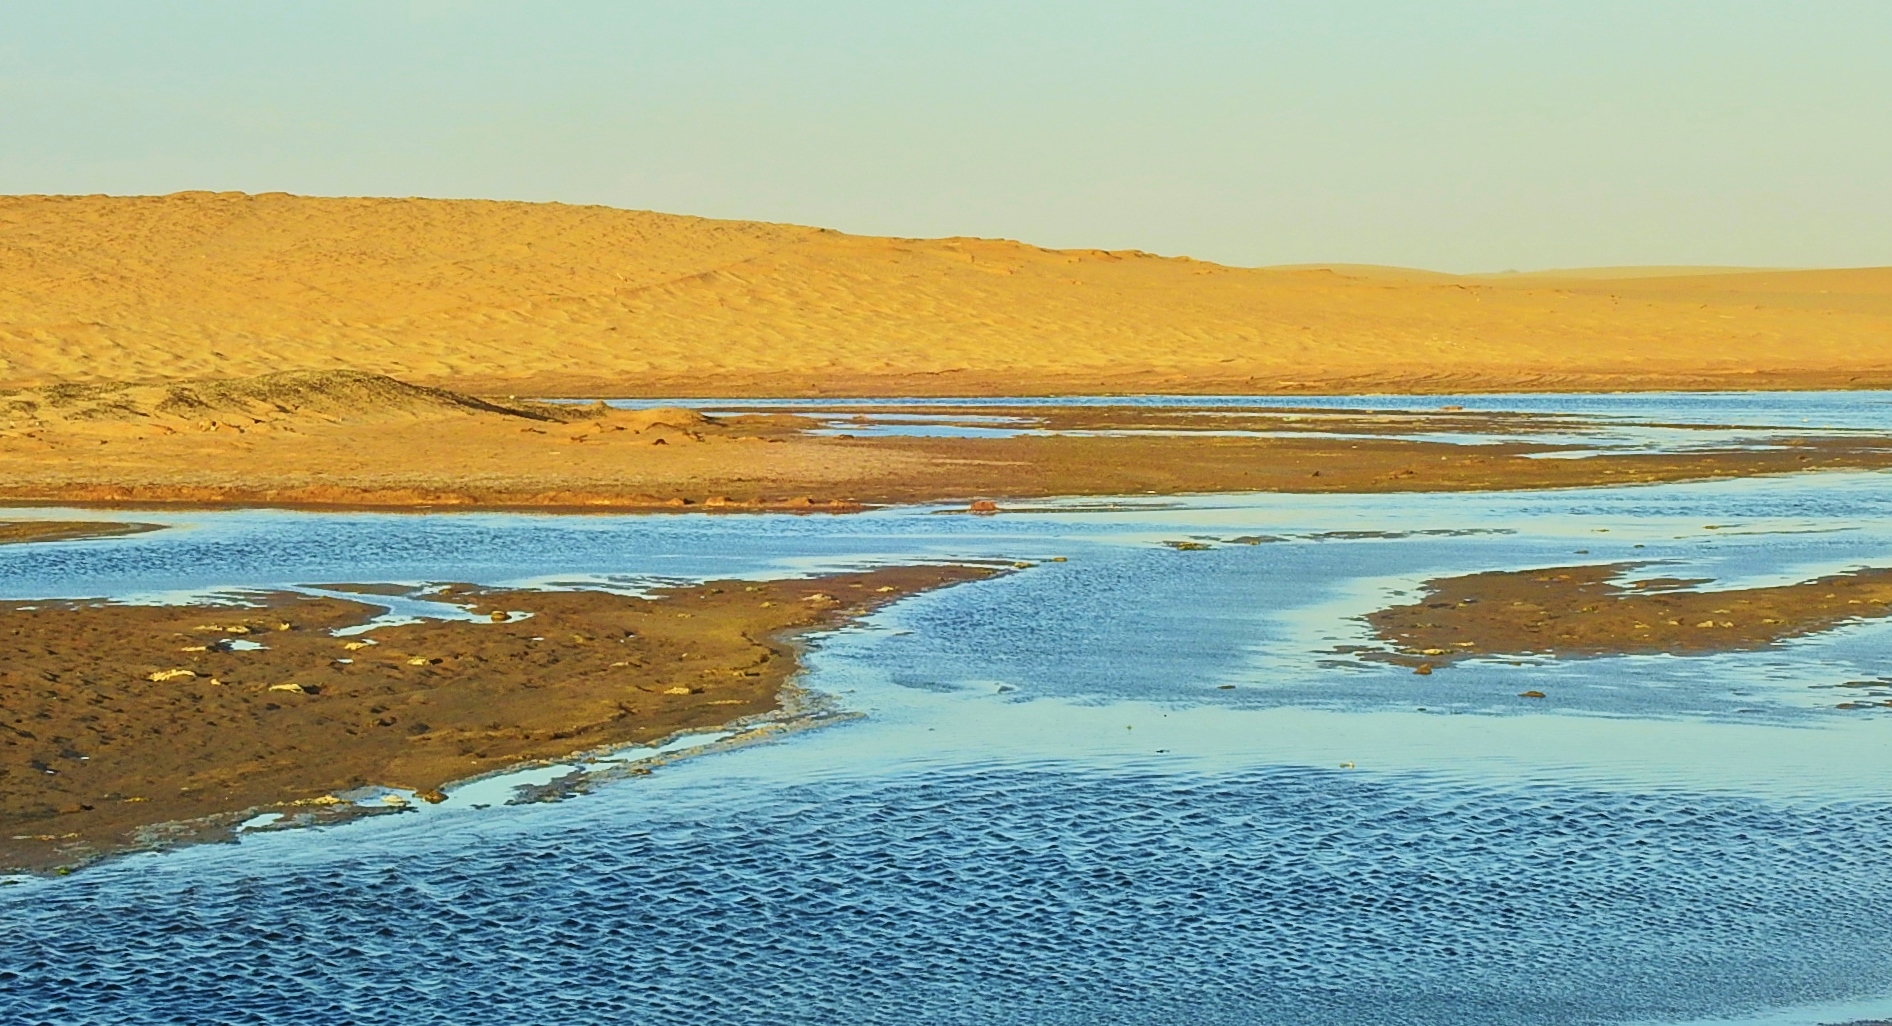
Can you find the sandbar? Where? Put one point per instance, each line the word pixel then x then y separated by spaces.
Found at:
pixel 116 720
pixel 1592 610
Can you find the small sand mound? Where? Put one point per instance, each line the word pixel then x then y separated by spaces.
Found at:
pixel 664 416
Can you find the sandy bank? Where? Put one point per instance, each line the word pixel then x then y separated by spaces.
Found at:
pixel 115 719
pixel 522 298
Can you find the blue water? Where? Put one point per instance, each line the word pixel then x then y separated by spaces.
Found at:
pixel 1052 810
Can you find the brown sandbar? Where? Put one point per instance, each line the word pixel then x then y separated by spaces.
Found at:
pixel 117 718
pixel 1582 611
pixel 18 532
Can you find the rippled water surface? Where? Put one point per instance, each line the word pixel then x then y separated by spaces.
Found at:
pixel 1141 786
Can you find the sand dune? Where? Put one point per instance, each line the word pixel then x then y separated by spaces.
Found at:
pixel 516 298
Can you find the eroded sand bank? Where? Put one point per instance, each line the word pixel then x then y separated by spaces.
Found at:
pixel 115 718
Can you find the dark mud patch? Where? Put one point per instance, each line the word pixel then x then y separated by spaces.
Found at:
pixel 124 727
pixel 1583 611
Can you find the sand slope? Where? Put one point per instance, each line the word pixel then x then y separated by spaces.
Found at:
pixel 545 298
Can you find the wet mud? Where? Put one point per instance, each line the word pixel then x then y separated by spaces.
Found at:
pixel 141 726
pixel 1597 610
pixel 17 532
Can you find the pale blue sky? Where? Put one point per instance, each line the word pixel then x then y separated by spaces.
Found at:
pixel 1454 134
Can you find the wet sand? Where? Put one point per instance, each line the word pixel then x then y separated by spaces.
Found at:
pixel 1579 611
pixel 116 719
pixel 367 441
pixel 16 532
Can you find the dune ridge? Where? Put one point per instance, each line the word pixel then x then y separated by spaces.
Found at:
pixel 524 298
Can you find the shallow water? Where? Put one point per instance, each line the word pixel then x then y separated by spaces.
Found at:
pixel 1052 811
pixel 1648 422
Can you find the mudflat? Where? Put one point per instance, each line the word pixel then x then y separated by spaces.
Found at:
pixel 1580 611
pixel 136 726
pixel 15 532
pixel 549 299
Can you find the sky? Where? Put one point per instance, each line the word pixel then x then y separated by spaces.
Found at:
pixel 1458 135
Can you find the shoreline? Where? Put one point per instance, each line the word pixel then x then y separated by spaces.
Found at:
pixel 993 385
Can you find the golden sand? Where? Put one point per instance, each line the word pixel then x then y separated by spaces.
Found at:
pixel 526 298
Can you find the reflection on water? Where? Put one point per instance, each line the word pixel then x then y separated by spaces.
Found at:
pixel 1104 790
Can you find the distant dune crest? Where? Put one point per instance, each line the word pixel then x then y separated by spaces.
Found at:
pixel 519 298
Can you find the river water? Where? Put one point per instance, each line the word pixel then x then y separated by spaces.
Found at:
pixel 1144 785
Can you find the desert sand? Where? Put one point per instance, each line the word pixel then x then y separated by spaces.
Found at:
pixel 546 299
pixel 117 718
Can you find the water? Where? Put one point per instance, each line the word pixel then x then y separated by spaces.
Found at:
pixel 1579 425
pixel 1052 811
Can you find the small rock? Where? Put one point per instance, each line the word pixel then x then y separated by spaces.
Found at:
pixel 1530 694
pixel 499 616
pixel 983 506
pixel 292 688
pixel 1423 669
pixel 678 690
